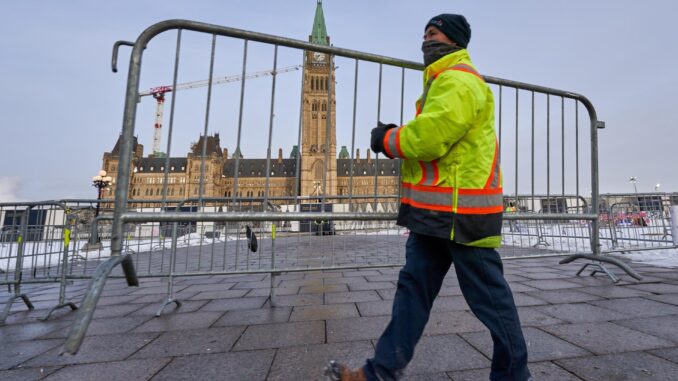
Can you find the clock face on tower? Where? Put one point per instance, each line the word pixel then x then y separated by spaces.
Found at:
pixel 320 57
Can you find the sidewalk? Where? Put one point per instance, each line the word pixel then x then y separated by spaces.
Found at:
pixel 577 328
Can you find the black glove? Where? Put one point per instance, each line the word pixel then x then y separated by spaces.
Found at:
pixel 378 133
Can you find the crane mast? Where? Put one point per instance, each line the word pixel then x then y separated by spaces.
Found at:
pixel 159 94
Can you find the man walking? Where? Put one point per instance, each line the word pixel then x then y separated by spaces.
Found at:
pixel 452 204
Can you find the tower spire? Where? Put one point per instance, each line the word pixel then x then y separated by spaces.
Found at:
pixel 319 33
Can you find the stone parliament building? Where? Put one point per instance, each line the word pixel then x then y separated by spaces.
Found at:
pixel 147 176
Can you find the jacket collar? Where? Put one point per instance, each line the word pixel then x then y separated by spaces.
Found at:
pixel 445 62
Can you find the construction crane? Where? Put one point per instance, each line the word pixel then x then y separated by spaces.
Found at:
pixel 159 94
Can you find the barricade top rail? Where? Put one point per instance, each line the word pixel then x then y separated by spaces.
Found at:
pixel 196 26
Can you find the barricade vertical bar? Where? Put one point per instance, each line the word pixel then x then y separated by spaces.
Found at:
pixel 69 225
pixel 548 151
pixel 237 150
pixel 501 106
pixel 355 105
pixel 517 140
pixel 376 156
pixel 18 272
pixel 270 127
pixel 402 109
pixel 562 125
pixel 273 273
pixel 576 150
pixel 297 177
pixel 532 152
pixel 328 130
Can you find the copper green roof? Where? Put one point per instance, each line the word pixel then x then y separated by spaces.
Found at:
pixel 319 33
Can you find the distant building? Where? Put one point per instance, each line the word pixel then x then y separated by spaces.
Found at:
pixel 220 169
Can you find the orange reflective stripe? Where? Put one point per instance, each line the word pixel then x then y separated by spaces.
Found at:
pixel 385 142
pixel 421 205
pixel 480 210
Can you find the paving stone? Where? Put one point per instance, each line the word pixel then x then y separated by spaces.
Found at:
pixel 361 273
pixel 382 278
pixel 161 290
pixel 581 312
pixel 345 280
pixel 299 300
pixel 115 310
pixel 108 326
pixel 443 353
pixel 611 292
pixel 563 296
pixel 426 377
pixel 307 362
pixel 96 349
pixel 666 298
pixel 670 354
pixel 208 287
pixel 257 316
pixel 452 322
pixel 251 285
pixel 542 371
pixel 324 312
pixel 27 374
pixel 30 331
pixel 656 288
pixel 222 305
pixel 352 297
pixel 524 300
pixel 186 306
pixel 520 287
pixel 532 317
pixel 12 354
pixel 371 286
pixel 380 308
pixel 604 338
pixel 225 294
pixel 191 342
pixel 170 322
pixel 663 326
pixel 513 278
pixel 111 371
pixel 281 335
pixel 32 316
pixel 449 303
pixel 638 307
pixel 550 284
pixel 280 290
pixel 363 328
pixel 541 346
pixel 324 288
pixel 250 366
pixel 544 275
pixel 624 366
pixel 302 282
pixel 387 294
pixel 449 291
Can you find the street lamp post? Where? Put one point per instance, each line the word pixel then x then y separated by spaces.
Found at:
pixel 633 180
pixel 100 182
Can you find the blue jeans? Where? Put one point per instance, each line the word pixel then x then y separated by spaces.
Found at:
pixel 481 278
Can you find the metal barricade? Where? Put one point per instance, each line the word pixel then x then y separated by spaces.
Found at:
pixel 361 218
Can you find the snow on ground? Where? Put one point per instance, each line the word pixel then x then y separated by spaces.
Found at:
pixel 660 258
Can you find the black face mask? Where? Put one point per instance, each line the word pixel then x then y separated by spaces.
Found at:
pixel 435 50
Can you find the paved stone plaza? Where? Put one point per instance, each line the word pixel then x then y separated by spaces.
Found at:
pixel 577 328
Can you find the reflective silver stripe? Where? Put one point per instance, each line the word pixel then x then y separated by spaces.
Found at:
pixel 466 67
pixel 392 146
pixel 432 198
pixel 428 177
pixel 479 201
pixel 495 176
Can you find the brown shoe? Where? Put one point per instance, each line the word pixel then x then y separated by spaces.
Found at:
pixel 340 372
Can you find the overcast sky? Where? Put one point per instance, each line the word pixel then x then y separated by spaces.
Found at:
pixel 61 106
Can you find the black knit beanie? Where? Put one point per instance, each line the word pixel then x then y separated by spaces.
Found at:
pixel 455 27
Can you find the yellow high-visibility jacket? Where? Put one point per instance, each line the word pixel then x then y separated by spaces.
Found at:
pixel 451 181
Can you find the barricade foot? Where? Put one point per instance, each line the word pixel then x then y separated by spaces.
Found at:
pixel 600 269
pixel 8 306
pixel 77 332
pixel 597 260
pixel 60 306
pixel 167 303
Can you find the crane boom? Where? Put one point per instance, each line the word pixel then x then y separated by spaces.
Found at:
pixel 159 94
